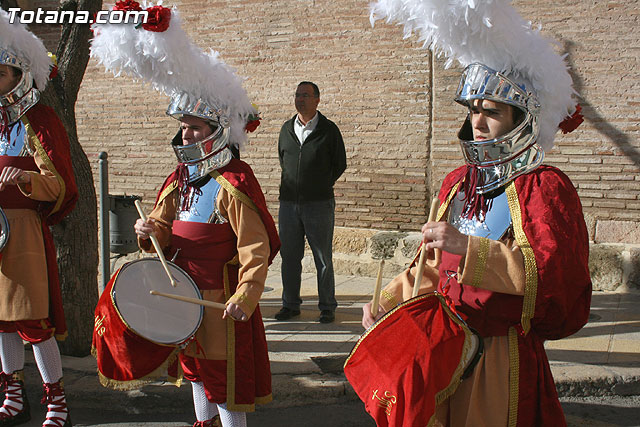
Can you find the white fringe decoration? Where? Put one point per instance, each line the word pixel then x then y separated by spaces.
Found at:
pixel 17 39
pixel 173 64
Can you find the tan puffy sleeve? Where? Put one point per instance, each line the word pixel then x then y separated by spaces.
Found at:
pixel 401 287
pixel 253 250
pixel 164 213
pixel 44 186
pixel 497 266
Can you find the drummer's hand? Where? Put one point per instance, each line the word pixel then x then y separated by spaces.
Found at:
pixel 13 176
pixel 444 236
pixel 144 228
pixel 367 318
pixel 235 312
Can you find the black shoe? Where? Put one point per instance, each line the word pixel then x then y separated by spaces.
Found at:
pixel 286 313
pixel 327 316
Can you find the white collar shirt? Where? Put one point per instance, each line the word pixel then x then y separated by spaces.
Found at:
pixel 303 131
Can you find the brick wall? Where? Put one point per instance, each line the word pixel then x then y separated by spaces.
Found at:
pixel 396 115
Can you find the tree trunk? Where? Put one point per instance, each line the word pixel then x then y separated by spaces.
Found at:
pixel 76 237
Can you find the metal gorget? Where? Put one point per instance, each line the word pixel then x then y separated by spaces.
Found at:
pixel 494 225
pixel 201 202
pixel 19 100
pixel 17 145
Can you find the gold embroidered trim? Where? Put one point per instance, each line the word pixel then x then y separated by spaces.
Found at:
pixel 466 348
pixel 167 190
pixel 159 372
pixel 47 161
pixel 481 262
pixel 443 207
pixel 530 267
pixel 514 377
pixel 231 343
pixel 241 298
pixel 389 297
pixel 233 190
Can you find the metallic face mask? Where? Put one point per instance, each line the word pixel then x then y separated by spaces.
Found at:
pixel 209 154
pixel 23 96
pixel 502 159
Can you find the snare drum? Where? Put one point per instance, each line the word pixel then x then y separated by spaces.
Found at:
pixel 137 334
pixel 4 230
pixel 411 360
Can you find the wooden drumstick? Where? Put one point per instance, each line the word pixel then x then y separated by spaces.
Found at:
pixel 433 212
pixel 156 245
pixel 191 300
pixel 376 292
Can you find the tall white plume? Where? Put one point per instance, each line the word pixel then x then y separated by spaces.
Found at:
pixel 173 64
pixel 21 42
pixel 493 33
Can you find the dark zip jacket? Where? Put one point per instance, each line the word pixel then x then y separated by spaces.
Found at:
pixel 310 170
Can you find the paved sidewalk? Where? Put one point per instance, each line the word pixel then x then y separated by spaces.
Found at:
pixel 307 356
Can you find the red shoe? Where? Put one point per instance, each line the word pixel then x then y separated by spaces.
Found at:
pixel 213 422
pixel 15 409
pixel 57 410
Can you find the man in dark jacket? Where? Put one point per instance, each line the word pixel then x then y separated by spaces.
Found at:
pixel 312 158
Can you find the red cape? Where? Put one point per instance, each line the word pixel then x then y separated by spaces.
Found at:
pixel 558 290
pixel 49 137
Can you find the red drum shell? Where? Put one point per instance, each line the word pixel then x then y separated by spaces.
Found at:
pixel 410 360
pixel 124 351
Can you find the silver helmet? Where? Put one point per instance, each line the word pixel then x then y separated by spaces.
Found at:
pixel 502 159
pixel 23 96
pixel 211 153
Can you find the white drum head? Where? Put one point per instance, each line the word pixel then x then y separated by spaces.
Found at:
pixel 158 319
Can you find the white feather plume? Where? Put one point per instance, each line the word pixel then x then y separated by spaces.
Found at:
pixel 173 64
pixel 493 33
pixel 21 42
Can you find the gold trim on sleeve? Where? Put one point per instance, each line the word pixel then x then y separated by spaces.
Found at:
pixel 530 267
pixel 514 377
pixel 389 297
pixel 481 262
pixel 37 144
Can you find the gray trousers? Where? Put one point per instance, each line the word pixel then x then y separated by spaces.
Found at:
pixel 314 220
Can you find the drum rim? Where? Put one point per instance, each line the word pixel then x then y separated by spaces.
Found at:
pixel 172 264
pixel 4 230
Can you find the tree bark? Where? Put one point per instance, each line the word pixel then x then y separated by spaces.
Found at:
pixel 76 237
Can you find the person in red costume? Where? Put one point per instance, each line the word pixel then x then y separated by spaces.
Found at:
pixel 214 213
pixel 37 189
pixel 210 217
pixel 509 251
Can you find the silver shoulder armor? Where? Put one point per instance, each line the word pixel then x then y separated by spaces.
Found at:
pixel 494 225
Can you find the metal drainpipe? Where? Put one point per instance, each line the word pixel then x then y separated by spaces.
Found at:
pixel 103 166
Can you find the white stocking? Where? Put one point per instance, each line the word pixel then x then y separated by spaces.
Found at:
pixel 47 357
pixel 205 410
pixel 11 352
pixel 231 418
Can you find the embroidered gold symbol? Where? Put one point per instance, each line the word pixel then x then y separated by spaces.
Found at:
pixel 99 325
pixel 385 402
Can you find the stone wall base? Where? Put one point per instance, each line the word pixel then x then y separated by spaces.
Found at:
pixel 613 267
